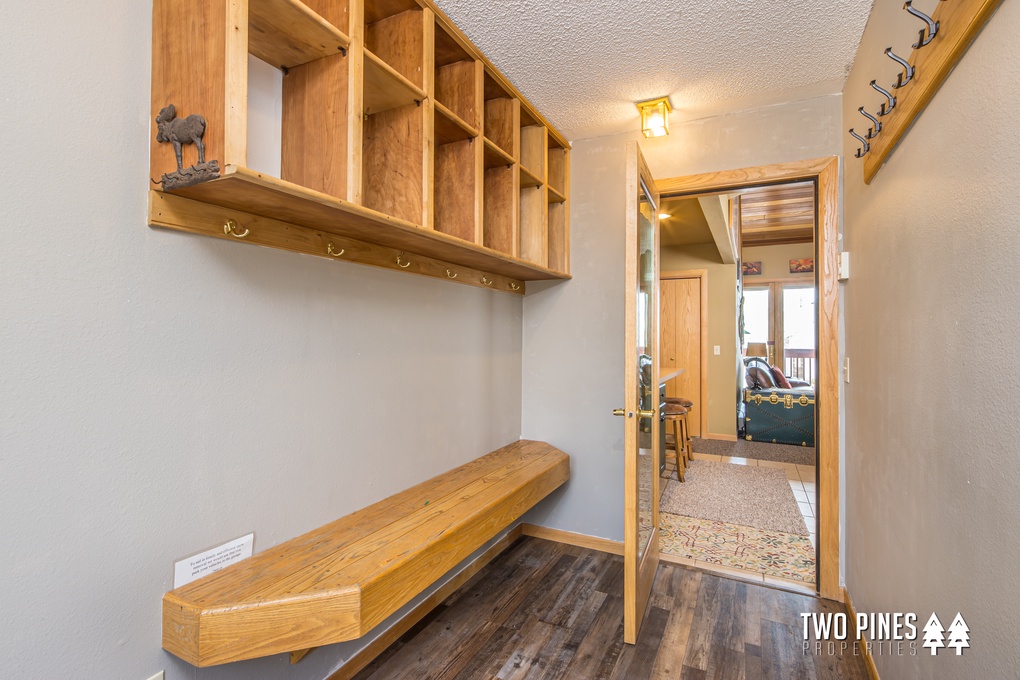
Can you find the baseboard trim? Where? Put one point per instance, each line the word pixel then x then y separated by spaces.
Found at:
pixel 377 646
pixel 869 662
pixel 570 538
pixel 720 437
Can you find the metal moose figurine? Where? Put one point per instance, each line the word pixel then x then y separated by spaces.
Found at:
pixel 181 131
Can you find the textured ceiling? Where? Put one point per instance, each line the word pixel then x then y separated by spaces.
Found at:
pixel 584 63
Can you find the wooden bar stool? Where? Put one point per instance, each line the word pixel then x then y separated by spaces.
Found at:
pixel 677 416
pixel 688 405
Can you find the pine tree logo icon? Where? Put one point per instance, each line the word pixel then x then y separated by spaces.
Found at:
pixel 933 634
pixel 959 634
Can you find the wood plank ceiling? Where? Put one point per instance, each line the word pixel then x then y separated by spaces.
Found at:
pixel 779 214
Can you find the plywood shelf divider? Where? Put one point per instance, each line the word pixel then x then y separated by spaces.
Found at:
pixel 387 89
pixel 287 33
pixel 495 156
pixel 529 179
pixel 339 581
pixel 555 196
pixel 450 127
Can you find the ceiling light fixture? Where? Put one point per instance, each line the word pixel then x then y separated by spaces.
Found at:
pixel 664 216
pixel 655 117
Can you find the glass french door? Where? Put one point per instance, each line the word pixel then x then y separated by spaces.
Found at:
pixel 781 317
pixel 641 393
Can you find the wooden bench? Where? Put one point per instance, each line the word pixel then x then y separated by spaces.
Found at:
pixel 338 582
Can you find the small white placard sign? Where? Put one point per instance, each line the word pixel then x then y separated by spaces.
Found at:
pixel 197 566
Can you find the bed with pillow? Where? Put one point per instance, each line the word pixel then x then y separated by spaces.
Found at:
pixel 777 409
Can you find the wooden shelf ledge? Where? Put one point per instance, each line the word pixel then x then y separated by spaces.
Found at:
pixel 338 582
pixel 495 156
pixel 555 196
pixel 529 179
pixel 252 192
pixel 287 33
pixel 386 88
pixel 450 127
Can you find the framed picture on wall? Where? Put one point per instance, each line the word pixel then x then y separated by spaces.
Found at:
pixel 750 268
pixel 804 266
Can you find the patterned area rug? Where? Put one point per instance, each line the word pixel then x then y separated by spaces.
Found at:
pixel 773 553
pixel 746 495
pixel 781 453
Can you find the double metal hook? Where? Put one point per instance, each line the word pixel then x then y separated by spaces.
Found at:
pixel 888 105
pixel 872 131
pixel 908 73
pixel 865 149
pixel 927 33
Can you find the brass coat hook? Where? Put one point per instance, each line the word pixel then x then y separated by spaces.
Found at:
pixel 890 102
pixel 514 285
pixel 908 73
pixel 873 131
pixel 932 28
pixel 451 274
pixel 402 262
pixel 230 227
pixel 334 253
pixel 486 281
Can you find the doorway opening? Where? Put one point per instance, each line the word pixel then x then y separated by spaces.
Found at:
pixel 752 236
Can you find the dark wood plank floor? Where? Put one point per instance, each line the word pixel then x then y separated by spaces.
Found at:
pixel 549 610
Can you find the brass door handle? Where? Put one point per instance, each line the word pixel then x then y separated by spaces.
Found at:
pixel 641 414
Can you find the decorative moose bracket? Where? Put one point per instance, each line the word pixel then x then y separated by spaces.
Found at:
pixel 181 131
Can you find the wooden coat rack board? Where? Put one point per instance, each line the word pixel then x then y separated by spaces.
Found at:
pixel 959 22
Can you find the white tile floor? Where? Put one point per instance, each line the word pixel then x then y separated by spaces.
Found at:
pixel 802 482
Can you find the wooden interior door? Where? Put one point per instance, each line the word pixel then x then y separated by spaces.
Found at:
pixel 642 450
pixel 681 317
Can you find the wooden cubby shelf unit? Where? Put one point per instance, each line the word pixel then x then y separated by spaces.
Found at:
pixel 402 146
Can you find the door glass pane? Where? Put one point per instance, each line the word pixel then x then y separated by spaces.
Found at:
pixel 647 393
pixel 799 333
pixel 756 315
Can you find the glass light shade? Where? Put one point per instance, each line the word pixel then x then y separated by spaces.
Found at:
pixel 655 117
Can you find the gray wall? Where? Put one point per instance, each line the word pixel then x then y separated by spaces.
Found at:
pixel 163 393
pixel 573 333
pixel 931 332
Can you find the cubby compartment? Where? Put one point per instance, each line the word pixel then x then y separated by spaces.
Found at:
pixel 395 36
pixel 316 124
pixel 500 203
pixel 456 204
pixel 393 161
pixel 534 233
pixel 559 239
pixel 457 83
pixel 534 148
pixel 502 117
pixel 556 172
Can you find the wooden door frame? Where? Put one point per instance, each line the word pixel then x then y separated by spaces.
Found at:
pixel 824 172
pixel 703 388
